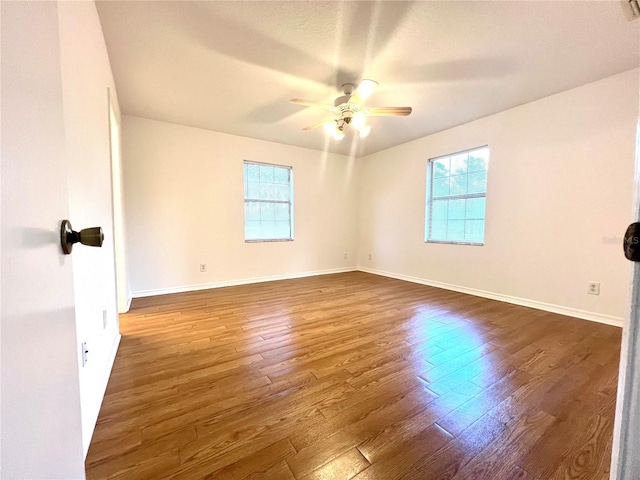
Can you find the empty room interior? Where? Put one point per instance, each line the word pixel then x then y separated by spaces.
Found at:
pixel 369 240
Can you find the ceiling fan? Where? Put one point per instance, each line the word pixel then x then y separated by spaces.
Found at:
pixel 348 109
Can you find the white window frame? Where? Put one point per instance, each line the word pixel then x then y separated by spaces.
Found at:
pixel 260 200
pixel 429 202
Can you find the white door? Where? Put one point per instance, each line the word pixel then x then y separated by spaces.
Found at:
pixel 625 461
pixel 41 432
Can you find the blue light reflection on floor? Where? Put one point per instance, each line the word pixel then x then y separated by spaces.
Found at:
pixel 454 358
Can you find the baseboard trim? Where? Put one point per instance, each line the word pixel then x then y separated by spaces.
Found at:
pixel 112 358
pixel 233 283
pixel 107 375
pixel 549 307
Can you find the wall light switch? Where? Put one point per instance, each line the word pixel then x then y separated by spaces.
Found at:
pixel 85 353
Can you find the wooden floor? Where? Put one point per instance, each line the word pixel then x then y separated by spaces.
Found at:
pixel 355 376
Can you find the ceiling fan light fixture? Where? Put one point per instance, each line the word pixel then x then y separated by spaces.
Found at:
pixel 330 127
pixel 349 110
pixel 366 88
pixel 338 134
pixel 358 121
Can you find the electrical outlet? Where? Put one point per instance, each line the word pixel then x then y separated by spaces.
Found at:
pixel 593 288
pixel 369 256
pixel 85 353
pixel 104 319
pixel 203 267
pixel 346 255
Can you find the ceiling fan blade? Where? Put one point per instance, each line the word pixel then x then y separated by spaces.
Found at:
pixel 311 103
pixel 388 111
pixel 319 124
pixel 364 91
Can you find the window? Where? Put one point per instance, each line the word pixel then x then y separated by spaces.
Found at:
pixel 268 202
pixel 456 193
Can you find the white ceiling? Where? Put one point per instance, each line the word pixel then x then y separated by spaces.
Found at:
pixel 233 66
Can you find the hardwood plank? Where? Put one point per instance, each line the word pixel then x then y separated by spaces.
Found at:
pixel 367 409
pixel 260 462
pixel 354 375
pixel 517 473
pixel 583 459
pixel 502 455
pixel 279 471
pixel 405 454
pixel 455 455
pixel 325 449
pixel 476 407
pixel 346 466
pixel 387 442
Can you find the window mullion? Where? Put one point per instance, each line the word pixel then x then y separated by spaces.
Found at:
pixel 460 197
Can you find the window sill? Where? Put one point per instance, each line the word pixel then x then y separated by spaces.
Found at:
pixel 268 240
pixel 446 242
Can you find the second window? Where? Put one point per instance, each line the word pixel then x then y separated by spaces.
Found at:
pixel 268 202
pixel 456 194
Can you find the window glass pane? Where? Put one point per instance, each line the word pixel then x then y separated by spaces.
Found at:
pixel 266 174
pixel 251 229
pixel 281 192
pixel 441 167
pixel 478 160
pixel 253 191
pixel 474 231
pixel 459 164
pixel 457 209
pixel 458 185
pixel 455 230
pixel 281 175
pixel 282 212
pixel 478 182
pixel 267 212
pixel 475 208
pixel 267 229
pixel 440 187
pixel 439 209
pixel 439 230
pixel 251 211
pixel 252 172
pixel 267 191
pixel 282 229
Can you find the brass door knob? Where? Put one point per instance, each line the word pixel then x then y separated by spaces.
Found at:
pixel 92 237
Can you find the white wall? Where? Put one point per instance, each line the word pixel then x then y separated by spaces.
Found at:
pixel 87 80
pixel 119 232
pixel 559 195
pixel 560 184
pixel 184 205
